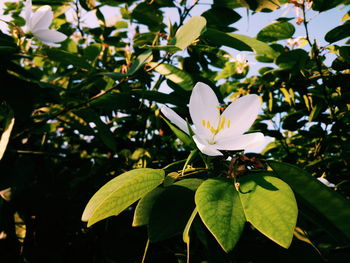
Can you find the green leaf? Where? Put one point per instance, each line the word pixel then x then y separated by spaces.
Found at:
pixel 221 17
pixel 192 183
pixel 260 5
pixel 338 33
pixel 293 60
pixel 144 207
pixel 316 110
pixel 312 193
pixel 323 5
pixel 7 51
pixel 227 3
pixel 157 96
pixel 5 137
pixel 227 71
pixel 184 137
pixel 217 37
pixel 174 74
pixel 148 15
pixel 270 206
pixel 103 130
pixel 240 42
pixel 259 47
pixel 276 31
pixel 119 193
pixel 115 101
pixel 221 211
pixel 170 213
pixel 91 52
pixel 344 51
pixel 189 32
pixel 67 58
pixel 141 60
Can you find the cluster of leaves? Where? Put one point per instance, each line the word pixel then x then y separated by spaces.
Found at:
pixel 75 117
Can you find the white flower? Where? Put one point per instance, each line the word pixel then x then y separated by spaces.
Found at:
pixel 241 62
pixel 214 131
pixel 325 182
pixel 298 42
pixel 38 23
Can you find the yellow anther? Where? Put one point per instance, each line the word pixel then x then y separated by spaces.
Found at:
pixel 203 123
pixel 228 123
pixel 222 123
pixel 213 130
pixel 208 125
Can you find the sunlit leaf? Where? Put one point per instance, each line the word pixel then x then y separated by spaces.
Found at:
pixel 269 205
pixel 119 193
pixel 276 31
pixel 174 74
pixel 220 209
pixel 189 32
pixel 240 42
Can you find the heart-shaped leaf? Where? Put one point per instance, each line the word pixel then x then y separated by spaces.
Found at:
pixel 221 211
pixel 270 206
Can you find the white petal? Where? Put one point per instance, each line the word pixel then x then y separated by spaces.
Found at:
pixel 325 182
pixel 206 148
pixel 175 118
pixel 28 11
pixel 49 35
pixel 239 116
pixel 204 109
pixel 241 142
pixel 42 18
pixel 51 44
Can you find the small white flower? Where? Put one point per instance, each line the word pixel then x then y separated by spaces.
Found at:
pixel 241 62
pixel 325 182
pixel 38 22
pixel 298 42
pixel 214 131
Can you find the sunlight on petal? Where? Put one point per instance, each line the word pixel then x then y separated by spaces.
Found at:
pixel 234 143
pixel 175 118
pixel 41 19
pixel 49 35
pixel 240 115
pixel 204 109
pixel 206 148
pixel 28 11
